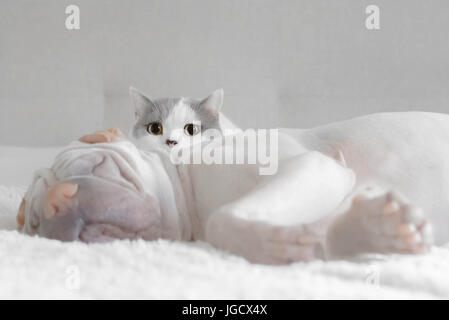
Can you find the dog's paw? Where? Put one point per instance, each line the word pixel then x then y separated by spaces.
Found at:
pixel 264 243
pixel 392 225
pixel 291 244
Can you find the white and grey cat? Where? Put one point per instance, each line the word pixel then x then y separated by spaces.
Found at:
pixel 166 122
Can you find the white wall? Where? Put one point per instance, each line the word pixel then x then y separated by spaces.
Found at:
pixel 281 63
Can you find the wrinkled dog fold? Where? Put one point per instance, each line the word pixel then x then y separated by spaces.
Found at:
pixel 92 193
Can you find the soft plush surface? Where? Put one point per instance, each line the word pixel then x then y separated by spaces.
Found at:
pixel 34 267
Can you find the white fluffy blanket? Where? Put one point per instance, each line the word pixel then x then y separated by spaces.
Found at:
pixel 32 267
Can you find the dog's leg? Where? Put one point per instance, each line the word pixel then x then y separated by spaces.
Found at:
pixel 285 218
pixel 382 223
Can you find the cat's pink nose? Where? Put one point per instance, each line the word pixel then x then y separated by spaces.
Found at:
pixel 171 142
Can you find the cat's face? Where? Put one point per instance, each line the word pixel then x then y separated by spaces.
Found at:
pixel 164 123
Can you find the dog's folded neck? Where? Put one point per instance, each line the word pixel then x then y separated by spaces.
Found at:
pixel 197 230
pixel 185 226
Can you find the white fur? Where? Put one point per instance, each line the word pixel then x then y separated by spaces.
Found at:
pixel 303 212
pixel 180 115
pixel 173 125
pixel 274 219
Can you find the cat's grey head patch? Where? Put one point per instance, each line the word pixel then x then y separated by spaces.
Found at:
pixel 148 110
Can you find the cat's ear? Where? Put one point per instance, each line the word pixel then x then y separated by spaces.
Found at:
pixel 213 103
pixel 140 101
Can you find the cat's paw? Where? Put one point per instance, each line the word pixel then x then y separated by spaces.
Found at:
pixel 392 225
pixel 59 199
pixel 105 136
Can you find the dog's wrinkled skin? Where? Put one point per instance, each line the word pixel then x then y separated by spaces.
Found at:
pixel 102 192
pixel 371 184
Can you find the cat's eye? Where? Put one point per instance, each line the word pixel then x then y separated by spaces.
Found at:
pixel 191 129
pixel 155 128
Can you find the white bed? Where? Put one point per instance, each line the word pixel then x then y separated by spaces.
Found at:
pixel 34 267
